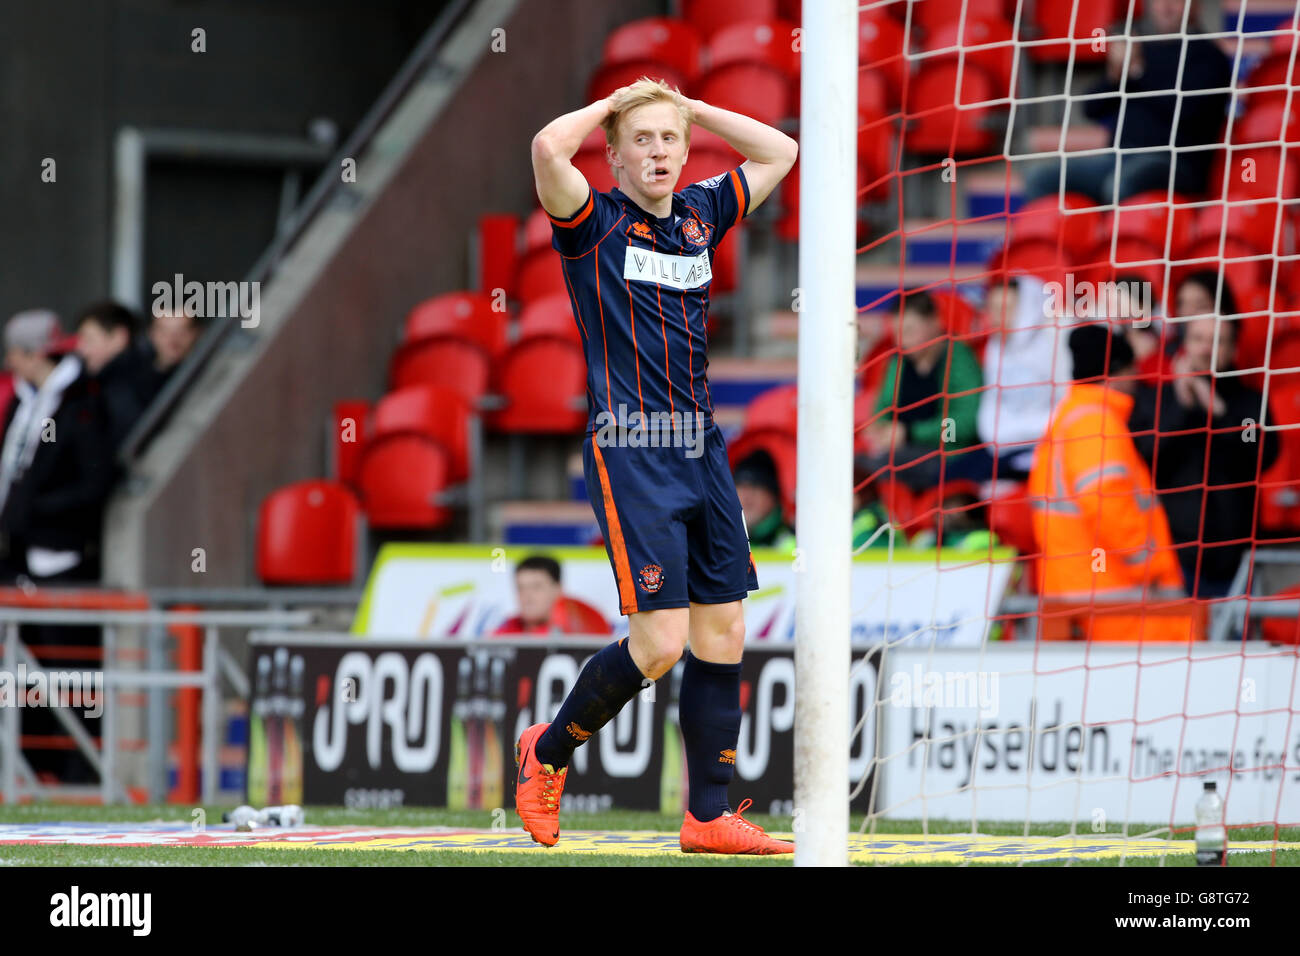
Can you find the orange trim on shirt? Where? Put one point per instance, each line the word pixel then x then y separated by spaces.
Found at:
pixel 740 194
pixel 579 217
pixel 617 547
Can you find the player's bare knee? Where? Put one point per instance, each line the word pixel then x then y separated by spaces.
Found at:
pixel 664 653
pixel 733 638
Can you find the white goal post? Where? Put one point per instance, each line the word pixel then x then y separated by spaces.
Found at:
pixel 824 497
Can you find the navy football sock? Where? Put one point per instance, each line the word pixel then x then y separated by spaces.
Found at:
pixel 708 708
pixel 610 679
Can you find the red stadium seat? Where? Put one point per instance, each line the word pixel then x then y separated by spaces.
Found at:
pixel 496 253
pixel 934 14
pixel 1268 122
pixel 936 126
pixel 351 418
pixel 1276 69
pixel 432 412
pixel 881 49
pixel 777 409
pixel 877 158
pixel 873 95
pixel 702 164
pixel 960 319
pixel 726 263
pixel 543 380
pixel 1011 519
pixel 1279 630
pixel 595 168
pixel 1255 171
pixel 996 61
pixel 1253 223
pixel 778 443
pixel 469 315
pixel 710 16
pixel 752 89
pixel 766 42
pixel 1279 496
pixel 569 615
pixel 872 372
pixel 1041 220
pixel 1051 21
pixel 1036 257
pixel 1146 216
pixel 307 535
pixel 612 76
pixel 673 43
pixel 402 477
pixel 540 275
pixel 550 315
pixel 452 363
pixel 537 231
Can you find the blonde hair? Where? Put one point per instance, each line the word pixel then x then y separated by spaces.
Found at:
pixel 642 93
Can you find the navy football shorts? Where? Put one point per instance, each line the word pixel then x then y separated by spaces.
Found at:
pixel 672 523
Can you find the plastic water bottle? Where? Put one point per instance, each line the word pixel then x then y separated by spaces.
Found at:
pixel 1211 837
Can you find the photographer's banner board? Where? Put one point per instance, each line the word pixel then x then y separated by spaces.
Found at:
pixel 400 724
pixel 1102 735
pixel 930 598
pixel 765 753
pixel 380 725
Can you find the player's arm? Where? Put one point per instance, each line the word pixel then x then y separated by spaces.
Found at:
pixel 769 153
pixel 561 188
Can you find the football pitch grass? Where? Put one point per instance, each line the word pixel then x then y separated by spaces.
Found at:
pixel 944 843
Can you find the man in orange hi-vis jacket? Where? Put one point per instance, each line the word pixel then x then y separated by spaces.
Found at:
pixel 1104 536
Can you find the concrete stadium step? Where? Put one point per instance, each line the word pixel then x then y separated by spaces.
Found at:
pixel 937 242
pixel 990 193
pixel 544 522
pixel 878 285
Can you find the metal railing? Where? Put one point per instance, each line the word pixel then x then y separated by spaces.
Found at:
pixel 17 780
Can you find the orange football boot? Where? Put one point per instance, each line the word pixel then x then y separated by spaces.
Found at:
pixel 538 790
pixel 730 833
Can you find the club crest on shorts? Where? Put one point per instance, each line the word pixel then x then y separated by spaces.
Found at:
pixel 691 230
pixel 652 578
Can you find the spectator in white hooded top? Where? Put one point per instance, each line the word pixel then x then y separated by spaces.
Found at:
pixel 1026 373
pixel 55 459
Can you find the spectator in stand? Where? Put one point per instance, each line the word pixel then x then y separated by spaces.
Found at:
pixel 1137 314
pixel 760 501
pixel 1196 295
pixel 537 584
pixel 931 392
pixel 56 463
pixel 1199 432
pixel 171 336
pixel 107 345
pixel 868 511
pixel 543 609
pixel 1027 365
pixel 55 474
pixel 1103 534
pixel 1153 66
pixel 958 522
